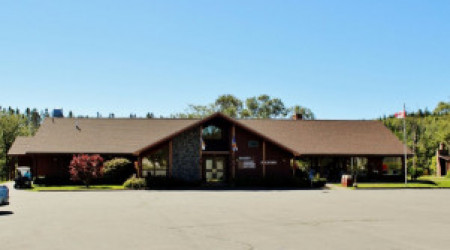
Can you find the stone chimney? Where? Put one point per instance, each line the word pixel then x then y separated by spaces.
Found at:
pixel 297 116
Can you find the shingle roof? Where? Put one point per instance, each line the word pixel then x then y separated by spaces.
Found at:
pixel 20 145
pixel 325 137
pixel 112 136
pixel 130 136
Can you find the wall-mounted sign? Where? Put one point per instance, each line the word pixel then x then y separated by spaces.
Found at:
pixel 253 144
pixel 270 162
pixel 246 162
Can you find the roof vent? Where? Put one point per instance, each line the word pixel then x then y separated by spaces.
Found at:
pixel 77 127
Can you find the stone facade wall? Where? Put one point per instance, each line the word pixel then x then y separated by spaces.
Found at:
pixel 186 156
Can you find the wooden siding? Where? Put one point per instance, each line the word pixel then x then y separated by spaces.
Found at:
pixel 277 160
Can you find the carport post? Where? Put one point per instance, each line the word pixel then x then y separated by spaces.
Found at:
pixel 294 166
pixel 139 170
pixel 11 167
pixel 264 159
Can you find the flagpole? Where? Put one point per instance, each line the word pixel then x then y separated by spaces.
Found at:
pixel 404 142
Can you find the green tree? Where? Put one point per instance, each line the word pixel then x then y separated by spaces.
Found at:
pixel 11 126
pixel 425 131
pixel 35 119
pixel 229 105
pixel 264 106
pixel 442 108
pixel 196 111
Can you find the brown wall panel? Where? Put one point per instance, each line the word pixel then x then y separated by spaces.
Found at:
pixel 52 165
pixel 24 161
pixel 242 139
pixel 280 169
pixel 278 162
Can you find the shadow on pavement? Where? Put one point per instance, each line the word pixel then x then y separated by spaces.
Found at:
pixel 4 213
pixel 234 189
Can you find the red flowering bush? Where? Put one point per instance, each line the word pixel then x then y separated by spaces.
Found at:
pixel 85 167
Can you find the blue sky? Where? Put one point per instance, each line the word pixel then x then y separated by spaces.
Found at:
pixel 342 59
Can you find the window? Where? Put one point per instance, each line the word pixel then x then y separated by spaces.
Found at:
pixel 212 133
pixel 156 163
pixel 360 165
pixel 392 166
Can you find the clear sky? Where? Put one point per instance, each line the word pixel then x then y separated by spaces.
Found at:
pixel 342 59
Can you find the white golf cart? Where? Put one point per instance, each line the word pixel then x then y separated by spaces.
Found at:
pixel 23 177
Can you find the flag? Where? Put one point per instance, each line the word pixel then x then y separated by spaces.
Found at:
pixel 401 114
pixel 234 144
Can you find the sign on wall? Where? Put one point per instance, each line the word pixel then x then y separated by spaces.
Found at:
pixel 269 162
pixel 253 144
pixel 246 162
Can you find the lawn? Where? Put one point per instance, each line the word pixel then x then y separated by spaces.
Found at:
pixel 439 181
pixel 422 182
pixel 396 185
pixel 77 188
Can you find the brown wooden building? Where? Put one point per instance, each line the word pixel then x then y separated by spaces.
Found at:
pixel 217 149
pixel 442 161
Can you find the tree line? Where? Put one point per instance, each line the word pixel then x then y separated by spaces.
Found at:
pixel 13 124
pixel 262 106
pixel 425 131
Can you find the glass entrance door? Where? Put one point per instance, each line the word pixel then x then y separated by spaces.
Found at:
pixel 214 167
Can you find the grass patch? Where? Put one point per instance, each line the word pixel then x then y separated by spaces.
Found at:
pixel 397 185
pixel 77 188
pixel 439 181
pixel 422 182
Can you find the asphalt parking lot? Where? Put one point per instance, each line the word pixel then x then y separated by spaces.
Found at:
pixel 299 219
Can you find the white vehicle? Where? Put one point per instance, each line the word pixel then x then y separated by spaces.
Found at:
pixel 4 195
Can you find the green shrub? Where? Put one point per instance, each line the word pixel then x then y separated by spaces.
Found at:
pixel 117 170
pixel 114 164
pixel 134 183
pixel 416 172
pixel 3 169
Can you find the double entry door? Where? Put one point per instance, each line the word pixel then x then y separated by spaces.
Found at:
pixel 214 168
